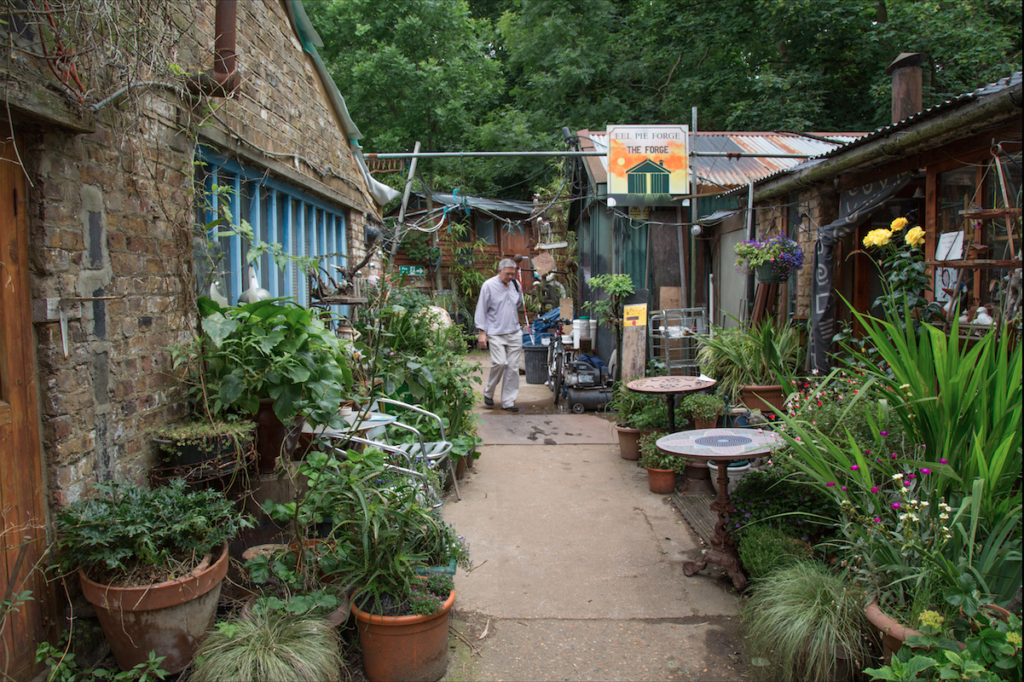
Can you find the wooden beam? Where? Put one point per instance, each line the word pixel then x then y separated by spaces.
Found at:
pixel 30 100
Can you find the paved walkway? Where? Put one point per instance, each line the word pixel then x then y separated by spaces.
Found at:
pixel 577 566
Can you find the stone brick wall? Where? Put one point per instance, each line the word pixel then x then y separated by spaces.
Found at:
pixel 822 205
pixel 111 213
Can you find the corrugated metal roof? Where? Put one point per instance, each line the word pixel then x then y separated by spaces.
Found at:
pixel 493 205
pixel 724 172
pixel 930 112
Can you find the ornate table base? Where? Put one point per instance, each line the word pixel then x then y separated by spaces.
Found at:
pixel 722 552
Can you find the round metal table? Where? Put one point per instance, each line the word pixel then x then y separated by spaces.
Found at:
pixel 670 387
pixel 724 445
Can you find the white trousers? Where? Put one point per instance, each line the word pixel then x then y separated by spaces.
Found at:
pixel 505 351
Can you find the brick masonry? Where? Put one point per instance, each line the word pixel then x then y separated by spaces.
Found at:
pixel 110 217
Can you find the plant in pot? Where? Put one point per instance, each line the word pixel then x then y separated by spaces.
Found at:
pixel 628 405
pixel 276 362
pixel 205 443
pixel 151 562
pixel 662 468
pixel 773 258
pixel 703 408
pixel 382 542
pixel 753 364
pixel 921 522
pixel 803 622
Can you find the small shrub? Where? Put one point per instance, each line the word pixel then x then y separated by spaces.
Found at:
pixel 780 498
pixel 653 458
pixel 702 406
pixel 800 621
pixel 270 646
pixel 765 549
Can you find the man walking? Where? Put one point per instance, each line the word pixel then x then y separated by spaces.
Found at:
pixel 497 323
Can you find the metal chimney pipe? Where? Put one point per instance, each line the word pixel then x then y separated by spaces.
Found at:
pixel 907 85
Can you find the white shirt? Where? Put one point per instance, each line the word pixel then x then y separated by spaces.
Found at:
pixel 497 309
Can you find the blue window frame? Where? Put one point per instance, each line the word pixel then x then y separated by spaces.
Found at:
pixel 280 213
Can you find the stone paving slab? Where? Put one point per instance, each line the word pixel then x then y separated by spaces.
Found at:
pixel 503 428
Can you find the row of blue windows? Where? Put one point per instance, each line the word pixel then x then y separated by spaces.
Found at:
pixel 279 213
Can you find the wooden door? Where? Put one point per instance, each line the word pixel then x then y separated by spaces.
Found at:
pixel 23 539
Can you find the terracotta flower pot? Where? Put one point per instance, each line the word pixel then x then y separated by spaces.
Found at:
pixel 763 398
pixel 661 481
pixel 404 648
pixel 170 618
pixel 893 632
pixel 705 423
pixel 629 442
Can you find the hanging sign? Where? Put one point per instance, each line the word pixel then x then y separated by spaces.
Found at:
pixel 648 164
pixel 412 270
pixel 634 315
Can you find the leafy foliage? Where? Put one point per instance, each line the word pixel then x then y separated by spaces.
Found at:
pixel 126 528
pixel 269 350
pixel 765 550
pixel 63 667
pixel 778 497
pixel 270 646
pixel 767 354
pixel 800 620
pixel 702 406
pixel 653 458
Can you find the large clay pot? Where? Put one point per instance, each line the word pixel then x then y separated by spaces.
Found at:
pixel 661 481
pixel 404 648
pixel 629 442
pixel 273 438
pixel 170 618
pixel 893 632
pixel 763 398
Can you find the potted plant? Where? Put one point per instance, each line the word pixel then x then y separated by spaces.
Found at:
pixel 275 362
pixel 750 362
pixel 151 562
pixel 628 405
pixel 270 645
pixel 703 408
pixel 662 468
pixel 803 622
pixel 382 542
pixel 204 443
pixel 773 258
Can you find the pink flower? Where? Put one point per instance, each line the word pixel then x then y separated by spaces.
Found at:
pixel 912 476
pixel 854 467
pixel 874 488
pixel 895 505
pixel 943 461
pixel 906 483
pixel 884 433
pixel 925 472
pixel 830 484
pixel 843 488
pixel 894 455
pixel 878 520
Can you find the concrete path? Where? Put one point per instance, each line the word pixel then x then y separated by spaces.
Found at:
pixel 577 566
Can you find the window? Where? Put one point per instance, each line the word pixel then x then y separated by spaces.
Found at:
pixel 485 229
pixel 278 213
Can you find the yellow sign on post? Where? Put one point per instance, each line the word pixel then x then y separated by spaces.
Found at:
pixel 634 315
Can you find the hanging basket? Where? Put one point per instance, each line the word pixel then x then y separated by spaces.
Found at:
pixel 766 274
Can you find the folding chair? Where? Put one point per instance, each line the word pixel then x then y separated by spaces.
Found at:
pixel 431 499
pixel 436 452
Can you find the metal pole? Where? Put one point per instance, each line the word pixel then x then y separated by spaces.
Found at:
pixel 471 155
pixel 693 216
pixel 408 183
pixel 750 236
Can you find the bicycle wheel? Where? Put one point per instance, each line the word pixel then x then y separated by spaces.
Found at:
pixel 557 380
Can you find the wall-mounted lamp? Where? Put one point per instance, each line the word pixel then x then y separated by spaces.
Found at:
pixel 370 235
pixel 696 230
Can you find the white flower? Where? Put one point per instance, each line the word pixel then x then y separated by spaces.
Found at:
pixel 897 477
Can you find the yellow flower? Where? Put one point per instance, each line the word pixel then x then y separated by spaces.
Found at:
pixel 877 237
pixel 932 619
pixel 898 224
pixel 1013 639
pixel 915 237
